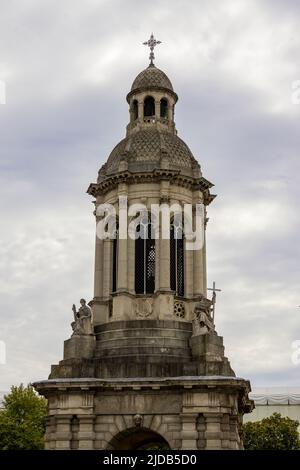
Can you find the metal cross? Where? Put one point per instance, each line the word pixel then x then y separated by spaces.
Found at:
pixel 214 297
pixel 152 42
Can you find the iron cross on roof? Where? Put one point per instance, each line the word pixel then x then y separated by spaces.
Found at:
pixel 152 42
pixel 214 297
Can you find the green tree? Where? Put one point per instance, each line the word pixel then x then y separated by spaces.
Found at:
pixel 273 433
pixel 22 419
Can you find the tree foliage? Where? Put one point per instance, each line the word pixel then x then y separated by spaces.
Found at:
pixel 273 433
pixel 22 419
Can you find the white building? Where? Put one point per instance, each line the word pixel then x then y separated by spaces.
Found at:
pixel 283 400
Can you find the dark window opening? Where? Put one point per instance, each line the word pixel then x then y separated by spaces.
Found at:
pixel 145 262
pixel 115 261
pixel 163 108
pixel 149 106
pixel 177 260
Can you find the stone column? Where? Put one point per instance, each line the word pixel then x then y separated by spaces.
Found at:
pixel 107 261
pixel 63 433
pixel 189 433
pixel 204 276
pixel 198 267
pixel 99 308
pixel 157 264
pixel 131 265
pixel 213 434
pixel 198 272
pixel 131 112
pixel 157 109
pixel 98 274
pixel 98 279
pixel 164 264
pixel 188 272
pixel 162 246
pixel 141 111
pixel 170 111
pixel 122 278
pixel 86 434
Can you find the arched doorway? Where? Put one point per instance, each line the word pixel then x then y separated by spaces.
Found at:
pixel 138 439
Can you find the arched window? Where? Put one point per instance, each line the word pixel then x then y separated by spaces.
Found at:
pixel 135 110
pixel 114 266
pixel 177 258
pixel 149 106
pixel 163 108
pixel 145 259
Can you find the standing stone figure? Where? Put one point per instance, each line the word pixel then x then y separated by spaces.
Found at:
pixel 202 321
pixel 82 324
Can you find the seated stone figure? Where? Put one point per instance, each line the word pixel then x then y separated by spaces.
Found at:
pixel 202 321
pixel 82 324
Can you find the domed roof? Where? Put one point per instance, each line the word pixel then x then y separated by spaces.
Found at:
pixel 151 77
pixel 144 149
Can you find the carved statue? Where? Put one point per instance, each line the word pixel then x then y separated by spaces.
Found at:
pixel 138 420
pixel 202 321
pixel 82 324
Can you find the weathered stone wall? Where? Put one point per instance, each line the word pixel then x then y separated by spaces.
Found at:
pixel 187 413
pixel 143 348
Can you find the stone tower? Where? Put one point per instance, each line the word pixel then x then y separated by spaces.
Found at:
pixel 149 370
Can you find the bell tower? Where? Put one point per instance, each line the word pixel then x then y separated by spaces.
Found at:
pixel 145 364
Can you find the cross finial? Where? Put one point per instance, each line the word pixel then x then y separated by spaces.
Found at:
pixel 214 297
pixel 152 42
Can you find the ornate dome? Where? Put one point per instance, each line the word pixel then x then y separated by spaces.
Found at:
pixel 144 149
pixel 151 77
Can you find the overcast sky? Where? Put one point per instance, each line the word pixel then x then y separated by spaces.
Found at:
pixel 68 66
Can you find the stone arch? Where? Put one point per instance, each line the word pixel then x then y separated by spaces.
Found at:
pixel 157 424
pixel 137 438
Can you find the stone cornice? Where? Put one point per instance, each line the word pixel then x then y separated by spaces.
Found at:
pixel 215 384
pixel 110 182
pixel 203 382
pixel 154 89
